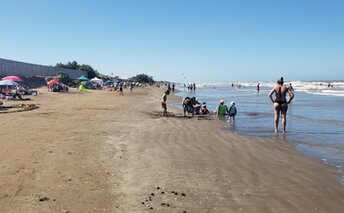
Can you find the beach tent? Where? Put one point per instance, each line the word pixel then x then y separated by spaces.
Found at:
pixel 8 83
pixel 83 78
pixel 98 81
pixel 83 88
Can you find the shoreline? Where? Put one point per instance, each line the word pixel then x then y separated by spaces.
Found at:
pixel 273 138
pixel 321 141
pixel 102 152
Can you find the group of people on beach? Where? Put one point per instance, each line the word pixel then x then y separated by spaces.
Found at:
pixel 16 93
pixel 223 110
pixel 171 88
pixel 280 104
pixel 194 107
pixel 191 87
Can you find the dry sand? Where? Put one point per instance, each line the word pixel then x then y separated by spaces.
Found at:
pixel 101 152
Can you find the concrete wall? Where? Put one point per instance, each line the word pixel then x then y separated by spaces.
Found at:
pixel 9 67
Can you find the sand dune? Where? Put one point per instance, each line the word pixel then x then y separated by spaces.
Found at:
pixel 101 152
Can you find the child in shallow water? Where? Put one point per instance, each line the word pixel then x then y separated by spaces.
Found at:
pixel 232 111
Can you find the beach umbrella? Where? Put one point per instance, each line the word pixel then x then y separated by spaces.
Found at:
pixel 83 78
pixel 53 81
pixel 8 83
pixel 12 78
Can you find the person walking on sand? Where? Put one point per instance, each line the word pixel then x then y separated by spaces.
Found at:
pixel 163 102
pixel 121 90
pixel 280 103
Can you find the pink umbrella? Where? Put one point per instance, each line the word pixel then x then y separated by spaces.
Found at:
pixel 12 78
pixel 53 82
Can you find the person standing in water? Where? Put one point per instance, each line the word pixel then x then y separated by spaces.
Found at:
pixel 258 87
pixel 222 110
pixel 291 87
pixel 232 111
pixel 280 103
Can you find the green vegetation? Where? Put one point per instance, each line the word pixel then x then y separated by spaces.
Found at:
pixel 142 78
pixel 64 78
pixel 91 73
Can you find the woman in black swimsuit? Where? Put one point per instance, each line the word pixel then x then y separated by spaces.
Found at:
pixel 280 103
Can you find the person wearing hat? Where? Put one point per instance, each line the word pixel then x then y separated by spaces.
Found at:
pixel 232 111
pixel 222 110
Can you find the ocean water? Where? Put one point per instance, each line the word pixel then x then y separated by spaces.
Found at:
pixel 315 118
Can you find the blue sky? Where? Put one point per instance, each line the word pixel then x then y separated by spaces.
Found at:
pixel 181 40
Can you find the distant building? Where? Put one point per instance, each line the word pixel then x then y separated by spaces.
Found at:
pixel 9 67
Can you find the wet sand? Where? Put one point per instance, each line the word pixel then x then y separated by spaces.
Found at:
pixel 101 152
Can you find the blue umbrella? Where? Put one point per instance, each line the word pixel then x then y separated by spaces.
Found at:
pixel 8 83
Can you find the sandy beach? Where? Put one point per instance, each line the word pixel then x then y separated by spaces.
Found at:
pixel 101 152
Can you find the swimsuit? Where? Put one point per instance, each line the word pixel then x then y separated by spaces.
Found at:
pixel 279 96
pixel 281 104
pixel 163 105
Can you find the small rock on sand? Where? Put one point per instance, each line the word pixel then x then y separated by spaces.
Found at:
pixel 43 199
